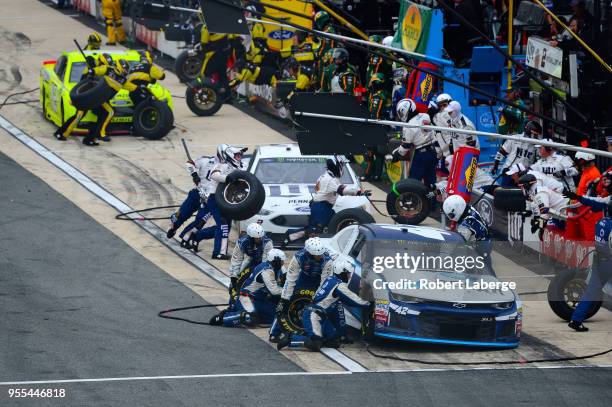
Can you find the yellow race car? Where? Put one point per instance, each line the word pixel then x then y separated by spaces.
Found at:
pixel 58 77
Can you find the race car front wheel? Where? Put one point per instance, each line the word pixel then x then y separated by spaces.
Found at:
pixel 153 119
pixel 187 66
pixel 347 217
pixel 203 97
pixel 240 199
pixel 407 202
pixel 90 93
pixel 564 292
pixel 291 321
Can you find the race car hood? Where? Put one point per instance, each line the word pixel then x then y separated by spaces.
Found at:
pixel 471 290
pixel 296 198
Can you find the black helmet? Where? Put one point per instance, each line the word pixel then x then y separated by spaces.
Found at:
pixel 533 128
pixel 335 167
pixel 340 56
pixel 525 182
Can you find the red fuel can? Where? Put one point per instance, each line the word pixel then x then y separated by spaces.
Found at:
pixel 463 172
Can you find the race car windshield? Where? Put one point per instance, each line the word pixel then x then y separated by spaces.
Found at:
pixel 78 69
pixel 294 170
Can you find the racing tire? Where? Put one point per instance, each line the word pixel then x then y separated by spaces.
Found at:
pixel 90 93
pixel 407 202
pixel 347 217
pixel 564 292
pixel 203 97
pixel 240 199
pixel 152 119
pixel 291 320
pixel 187 67
pixel 509 199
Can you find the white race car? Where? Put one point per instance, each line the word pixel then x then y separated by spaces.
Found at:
pixel 289 180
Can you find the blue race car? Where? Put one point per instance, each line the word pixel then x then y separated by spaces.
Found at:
pixel 441 298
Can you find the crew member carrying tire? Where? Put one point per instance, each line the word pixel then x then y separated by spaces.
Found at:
pixel 308 268
pixel 323 319
pixel 259 294
pixel 469 223
pixel 250 250
pixel 602 261
pixel 111 10
pixel 327 189
pixel 196 201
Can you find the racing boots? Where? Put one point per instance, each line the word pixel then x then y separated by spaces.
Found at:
pixel 172 231
pixel 217 320
pixel 314 343
pixel 220 257
pixel 90 141
pixel 59 135
pixel 282 342
pixel 193 243
pixel 577 326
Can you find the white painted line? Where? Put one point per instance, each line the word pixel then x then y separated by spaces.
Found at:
pixel 195 376
pixel 148 226
pixel 280 374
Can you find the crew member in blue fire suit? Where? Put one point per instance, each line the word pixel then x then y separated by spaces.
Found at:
pixel 308 268
pixel 470 225
pixel 602 261
pixel 323 319
pixel 259 294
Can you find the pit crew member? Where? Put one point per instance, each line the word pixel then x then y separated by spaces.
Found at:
pixel 557 164
pixel 308 268
pixel 426 149
pixel 140 76
pixel 602 261
pixel 327 190
pixel 543 200
pixel 586 162
pixel 323 319
pixel 516 171
pixel 517 152
pixel 93 42
pixel 250 250
pixel 456 120
pixel 469 223
pixel 111 10
pixel 259 294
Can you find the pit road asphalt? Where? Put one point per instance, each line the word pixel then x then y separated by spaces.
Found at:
pixel 79 303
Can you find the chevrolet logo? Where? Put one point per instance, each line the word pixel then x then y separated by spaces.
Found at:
pixel 459 305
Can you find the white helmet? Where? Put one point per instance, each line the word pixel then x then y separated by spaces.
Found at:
pixel 454 110
pixel 454 206
pixel 314 246
pixel 342 265
pixel 229 155
pixel 221 152
pixel 580 155
pixel 276 253
pixel 404 108
pixel 444 98
pixel 255 230
pixel 387 41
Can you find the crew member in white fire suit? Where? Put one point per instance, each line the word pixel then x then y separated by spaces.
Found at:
pixel 557 164
pixel 517 152
pixel 456 120
pixel 516 171
pixel 327 190
pixel 543 201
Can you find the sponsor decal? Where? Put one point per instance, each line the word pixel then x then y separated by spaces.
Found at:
pixel 486 120
pixel 400 309
pixel 281 35
pixel 381 313
pixel 486 211
pixel 459 305
pixel 470 173
pixel 426 87
pixel 412 27
pixel 303 209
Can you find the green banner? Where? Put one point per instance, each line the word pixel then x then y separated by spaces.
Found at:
pixel 412 27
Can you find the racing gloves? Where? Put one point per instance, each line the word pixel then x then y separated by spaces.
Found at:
pixel 365 192
pixel 231 177
pixel 281 307
pixel 537 223
pixel 570 194
pixel 196 178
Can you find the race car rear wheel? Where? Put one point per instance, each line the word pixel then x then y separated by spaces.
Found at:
pixel 187 67
pixel 291 321
pixel 564 292
pixel 407 202
pixel 347 217
pixel 509 199
pixel 203 98
pixel 242 198
pixel 90 93
pixel 153 119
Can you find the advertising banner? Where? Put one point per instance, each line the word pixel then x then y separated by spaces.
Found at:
pixel 544 57
pixel 413 27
